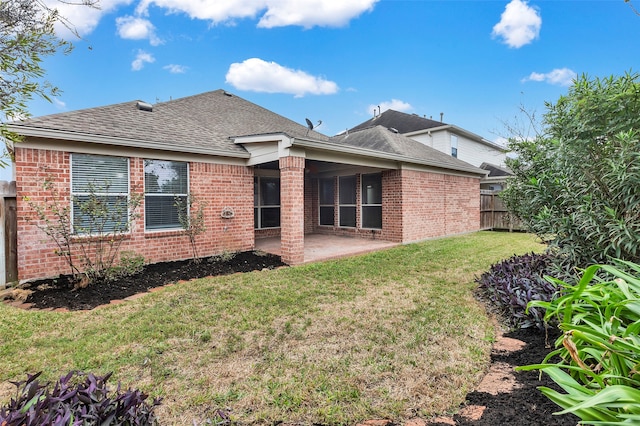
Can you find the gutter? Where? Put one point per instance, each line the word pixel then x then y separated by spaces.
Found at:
pixel 365 152
pixel 113 140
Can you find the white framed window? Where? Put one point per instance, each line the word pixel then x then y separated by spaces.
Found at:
pixel 166 188
pixel 266 202
pixel 99 194
pixel 326 195
pixel 347 187
pixel 372 201
pixel 454 146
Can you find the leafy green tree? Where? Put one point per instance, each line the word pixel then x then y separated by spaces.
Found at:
pixel 27 36
pixel 577 184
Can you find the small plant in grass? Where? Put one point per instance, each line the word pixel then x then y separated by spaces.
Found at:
pixel 511 284
pixel 191 218
pixel 76 399
pixel 89 230
pixel 599 367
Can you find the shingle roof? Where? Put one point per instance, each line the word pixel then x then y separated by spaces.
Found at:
pixel 496 170
pixel 402 122
pixel 381 139
pixel 207 121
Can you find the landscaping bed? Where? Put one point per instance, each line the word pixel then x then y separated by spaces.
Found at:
pixel 60 293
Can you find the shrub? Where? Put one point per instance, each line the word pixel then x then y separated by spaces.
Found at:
pixel 599 367
pixel 74 401
pixel 96 232
pixel 511 284
pixel 577 185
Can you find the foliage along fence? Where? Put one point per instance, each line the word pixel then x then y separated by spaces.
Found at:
pixel 8 233
pixel 494 214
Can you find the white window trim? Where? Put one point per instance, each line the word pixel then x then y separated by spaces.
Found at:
pixel 100 194
pixel 173 229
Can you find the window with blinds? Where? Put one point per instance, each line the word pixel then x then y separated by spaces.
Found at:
pixel 99 193
pixel 166 189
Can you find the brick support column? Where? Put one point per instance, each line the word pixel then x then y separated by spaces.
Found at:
pixel 292 209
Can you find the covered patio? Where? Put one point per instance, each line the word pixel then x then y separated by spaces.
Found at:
pixel 319 247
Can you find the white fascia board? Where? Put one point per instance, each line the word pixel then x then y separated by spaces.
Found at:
pixel 112 140
pixel 364 152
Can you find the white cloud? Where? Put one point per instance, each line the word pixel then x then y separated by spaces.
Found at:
pixel 394 104
pixel 310 13
pixel 82 19
pixel 269 77
pixel 274 13
pixel 176 69
pixel 141 58
pixel 133 28
pixel 59 104
pixel 558 76
pixel 519 24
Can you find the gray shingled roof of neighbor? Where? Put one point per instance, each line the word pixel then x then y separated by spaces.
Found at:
pixel 496 170
pixel 383 140
pixel 194 123
pixel 402 122
pixel 410 124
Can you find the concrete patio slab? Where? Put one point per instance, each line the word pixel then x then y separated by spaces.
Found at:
pixel 319 247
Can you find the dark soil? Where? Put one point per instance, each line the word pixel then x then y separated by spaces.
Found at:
pixel 59 293
pixel 525 406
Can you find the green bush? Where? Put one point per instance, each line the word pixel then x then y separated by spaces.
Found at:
pixel 577 184
pixel 599 351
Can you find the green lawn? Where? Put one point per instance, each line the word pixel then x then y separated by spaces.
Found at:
pixel 394 334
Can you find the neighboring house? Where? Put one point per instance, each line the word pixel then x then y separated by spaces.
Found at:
pixel 259 173
pixel 496 180
pixel 447 138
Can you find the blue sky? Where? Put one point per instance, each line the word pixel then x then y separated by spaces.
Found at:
pixel 475 61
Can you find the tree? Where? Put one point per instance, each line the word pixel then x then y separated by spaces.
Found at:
pixel 577 185
pixel 632 7
pixel 27 36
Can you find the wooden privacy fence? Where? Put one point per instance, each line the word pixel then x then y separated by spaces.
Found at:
pixel 494 214
pixel 8 233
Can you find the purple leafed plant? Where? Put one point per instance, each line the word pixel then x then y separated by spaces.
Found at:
pixel 511 284
pixel 76 399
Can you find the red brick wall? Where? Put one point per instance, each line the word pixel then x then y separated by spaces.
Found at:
pixel 415 206
pixel 217 185
pixel 436 205
pixel 292 209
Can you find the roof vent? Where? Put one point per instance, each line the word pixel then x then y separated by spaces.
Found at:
pixel 144 106
pixel 393 130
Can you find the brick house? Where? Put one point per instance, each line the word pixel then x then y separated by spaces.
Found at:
pixel 260 174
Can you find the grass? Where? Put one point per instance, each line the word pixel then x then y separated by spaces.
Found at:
pixel 393 334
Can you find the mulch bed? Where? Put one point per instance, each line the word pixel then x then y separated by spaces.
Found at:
pixel 525 406
pixel 58 293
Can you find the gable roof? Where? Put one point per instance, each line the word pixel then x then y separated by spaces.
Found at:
pixel 402 122
pixel 495 171
pixel 413 124
pixel 200 123
pixel 383 140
